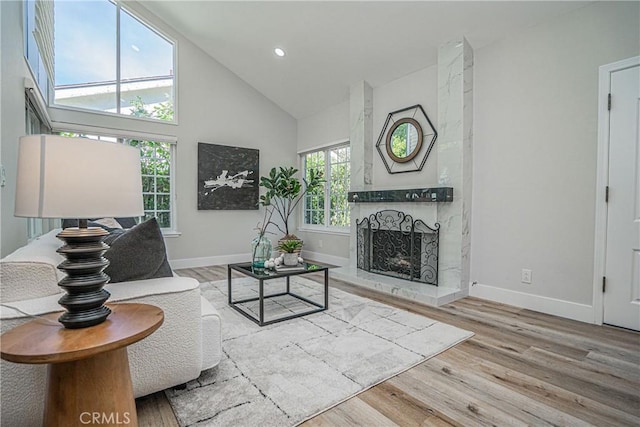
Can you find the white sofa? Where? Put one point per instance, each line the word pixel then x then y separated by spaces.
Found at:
pixel 188 342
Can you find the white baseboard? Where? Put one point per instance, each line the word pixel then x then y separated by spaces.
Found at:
pixel 329 259
pixel 556 307
pixel 210 260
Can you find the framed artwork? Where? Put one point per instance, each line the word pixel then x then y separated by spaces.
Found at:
pixel 228 177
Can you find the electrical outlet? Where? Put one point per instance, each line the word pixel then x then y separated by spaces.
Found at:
pixel 320 244
pixel 526 275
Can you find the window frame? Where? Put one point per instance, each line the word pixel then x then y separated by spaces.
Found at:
pixel 35 124
pixel 172 192
pixel 120 138
pixel 324 228
pixel 36 74
pixel 50 98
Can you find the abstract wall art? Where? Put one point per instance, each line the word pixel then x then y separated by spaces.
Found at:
pixel 228 177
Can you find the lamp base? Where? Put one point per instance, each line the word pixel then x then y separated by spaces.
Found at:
pixel 85 277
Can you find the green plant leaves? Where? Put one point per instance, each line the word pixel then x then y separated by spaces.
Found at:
pixel 289 246
pixel 284 190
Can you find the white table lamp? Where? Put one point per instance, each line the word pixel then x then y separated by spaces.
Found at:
pixel 61 177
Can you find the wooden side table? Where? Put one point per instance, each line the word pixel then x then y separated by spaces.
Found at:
pixel 88 377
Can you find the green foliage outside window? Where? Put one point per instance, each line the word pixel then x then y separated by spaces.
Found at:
pixel 314 203
pixel 399 140
pixel 336 164
pixel 155 159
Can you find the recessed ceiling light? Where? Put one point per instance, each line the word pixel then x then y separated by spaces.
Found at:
pixel 279 52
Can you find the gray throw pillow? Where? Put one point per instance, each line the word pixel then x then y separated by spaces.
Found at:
pixel 136 254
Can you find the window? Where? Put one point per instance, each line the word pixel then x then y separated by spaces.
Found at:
pixel 108 60
pixel 156 166
pixel 34 125
pixel 38 42
pixel 328 208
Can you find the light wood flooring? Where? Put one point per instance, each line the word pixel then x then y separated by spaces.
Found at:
pixel 520 368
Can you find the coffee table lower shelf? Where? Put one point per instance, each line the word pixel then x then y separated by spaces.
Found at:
pixel 263 276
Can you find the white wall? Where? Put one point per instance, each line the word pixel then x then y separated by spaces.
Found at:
pixel 213 105
pixel 535 153
pixel 13 230
pixel 323 128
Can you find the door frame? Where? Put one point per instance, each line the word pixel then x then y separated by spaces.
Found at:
pixel 602 180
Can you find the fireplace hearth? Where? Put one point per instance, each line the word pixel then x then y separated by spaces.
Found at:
pixel 392 243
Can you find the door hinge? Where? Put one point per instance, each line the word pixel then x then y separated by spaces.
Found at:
pixel 609 102
pixel 604 284
pixel 606 194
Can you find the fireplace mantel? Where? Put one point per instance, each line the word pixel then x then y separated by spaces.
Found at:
pixel 435 194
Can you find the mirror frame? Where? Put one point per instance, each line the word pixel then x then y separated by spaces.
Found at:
pixel 416 149
pixel 395 164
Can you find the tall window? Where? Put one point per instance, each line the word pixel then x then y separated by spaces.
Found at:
pixel 108 60
pixel 328 208
pixel 34 124
pixel 157 168
pixel 38 43
pixel 156 179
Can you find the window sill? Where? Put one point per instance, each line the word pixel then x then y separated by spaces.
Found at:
pixel 325 230
pixel 128 118
pixel 171 233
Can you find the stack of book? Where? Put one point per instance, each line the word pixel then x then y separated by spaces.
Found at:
pixel 284 268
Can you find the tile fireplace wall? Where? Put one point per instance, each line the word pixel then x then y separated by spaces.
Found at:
pixel 454 154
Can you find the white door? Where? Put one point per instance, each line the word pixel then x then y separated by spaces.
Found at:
pixel 622 267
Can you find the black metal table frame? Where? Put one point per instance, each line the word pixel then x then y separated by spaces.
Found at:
pixel 261 297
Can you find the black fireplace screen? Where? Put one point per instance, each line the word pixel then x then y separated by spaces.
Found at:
pixel 394 244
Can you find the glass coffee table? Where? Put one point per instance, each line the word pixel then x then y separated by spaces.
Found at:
pixel 263 275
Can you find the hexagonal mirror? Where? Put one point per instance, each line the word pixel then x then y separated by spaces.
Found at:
pixel 403 135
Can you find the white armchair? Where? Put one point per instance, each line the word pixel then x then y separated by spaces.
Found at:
pixel 188 342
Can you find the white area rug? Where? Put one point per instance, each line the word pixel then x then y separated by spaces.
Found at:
pixel 287 372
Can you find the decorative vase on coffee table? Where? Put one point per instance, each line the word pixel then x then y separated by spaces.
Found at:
pixel 261 251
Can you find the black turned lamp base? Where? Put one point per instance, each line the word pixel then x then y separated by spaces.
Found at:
pixel 85 318
pixel 84 267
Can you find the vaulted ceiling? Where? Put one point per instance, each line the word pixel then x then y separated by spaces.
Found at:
pixel 331 44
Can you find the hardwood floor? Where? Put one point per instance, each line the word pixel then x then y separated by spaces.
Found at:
pixel 520 368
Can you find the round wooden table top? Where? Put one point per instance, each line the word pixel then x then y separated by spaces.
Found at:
pixel 48 341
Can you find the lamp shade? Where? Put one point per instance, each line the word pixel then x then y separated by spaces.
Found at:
pixel 62 177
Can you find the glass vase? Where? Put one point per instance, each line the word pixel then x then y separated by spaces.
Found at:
pixel 260 250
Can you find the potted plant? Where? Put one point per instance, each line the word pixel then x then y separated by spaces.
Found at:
pixel 284 192
pixel 290 249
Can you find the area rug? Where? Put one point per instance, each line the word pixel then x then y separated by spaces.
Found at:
pixel 287 372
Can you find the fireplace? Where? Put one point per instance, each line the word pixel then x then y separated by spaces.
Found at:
pixel 392 243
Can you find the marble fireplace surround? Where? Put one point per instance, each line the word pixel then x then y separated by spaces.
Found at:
pixel 454 170
pixel 417 291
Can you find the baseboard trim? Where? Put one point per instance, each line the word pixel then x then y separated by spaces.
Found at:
pixel 210 260
pixel 553 306
pixel 329 259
